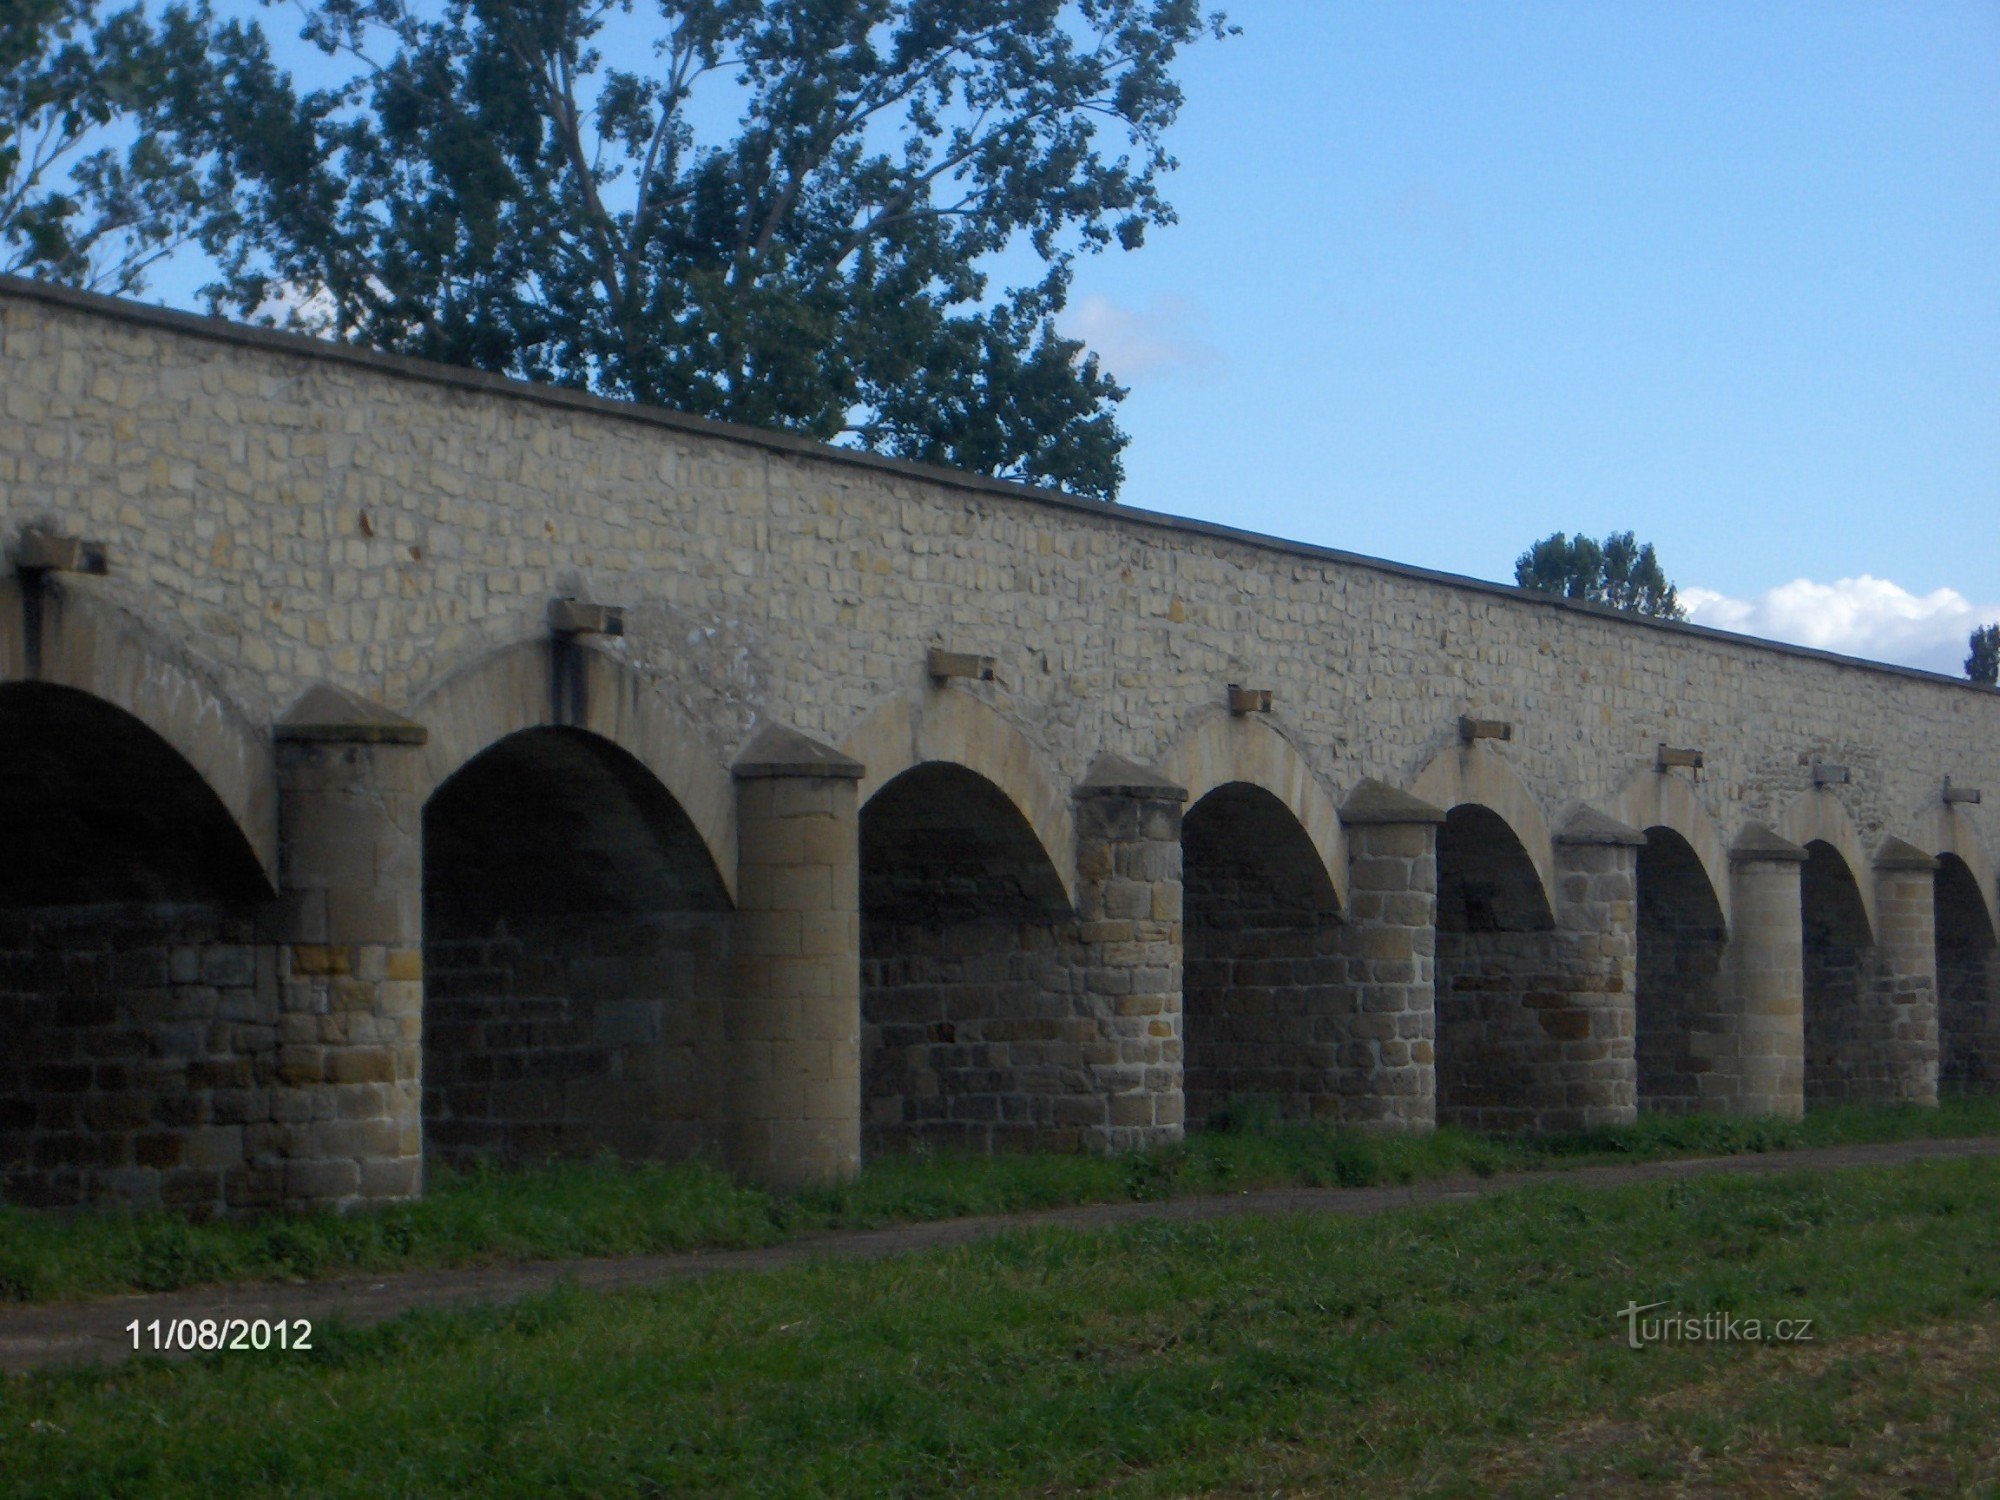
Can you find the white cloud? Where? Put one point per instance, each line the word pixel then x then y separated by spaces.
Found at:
pixel 1166 337
pixel 1864 616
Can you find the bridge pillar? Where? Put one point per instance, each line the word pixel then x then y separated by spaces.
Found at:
pixel 346 1124
pixel 1594 1020
pixel 794 1020
pixel 1388 1064
pixel 1757 1053
pixel 1129 902
pixel 1899 1026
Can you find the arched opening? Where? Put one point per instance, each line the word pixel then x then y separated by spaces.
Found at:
pixel 1968 1016
pixel 1838 960
pixel 1680 1005
pixel 973 1034
pixel 1501 1017
pixel 575 959
pixel 140 1040
pixel 1266 1010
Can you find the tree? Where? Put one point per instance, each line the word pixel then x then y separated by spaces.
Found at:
pixel 1983 665
pixel 95 184
pixel 486 188
pixel 1617 571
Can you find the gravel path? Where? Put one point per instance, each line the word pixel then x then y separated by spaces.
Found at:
pixel 97 1332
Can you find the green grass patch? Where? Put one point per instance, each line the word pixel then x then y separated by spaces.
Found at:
pixel 607 1208
pixel 1468 1348
pixel 474 1218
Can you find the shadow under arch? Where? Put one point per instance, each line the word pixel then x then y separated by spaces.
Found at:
pixel 973 1032
pixel 1838 941
pixel 1657 799
pixel 549 683
pixel 1471 774
pixel 1946 829
pixel 576 946
pixel 1681 1006
pixel 1267 1012
pixel 1966 927
pixel 1500 963
pixel 1968 976
pixel 1223 748
pixel 54 635
pixel 958 729
pixel 130 964
pixel 1817 817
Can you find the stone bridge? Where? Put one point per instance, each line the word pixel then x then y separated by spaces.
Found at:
pixel 401 764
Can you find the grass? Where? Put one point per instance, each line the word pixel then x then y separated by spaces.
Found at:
pixel 1463 1349
pixel 609 1209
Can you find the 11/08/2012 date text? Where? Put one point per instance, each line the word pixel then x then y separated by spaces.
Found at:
pixel 162 1336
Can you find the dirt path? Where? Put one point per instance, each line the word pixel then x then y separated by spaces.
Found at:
pixel 97 1332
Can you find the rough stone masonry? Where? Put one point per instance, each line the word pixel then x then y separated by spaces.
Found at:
pixel 438 766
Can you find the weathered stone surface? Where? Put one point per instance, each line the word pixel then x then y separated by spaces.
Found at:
pixel 327 712
pixel 297 531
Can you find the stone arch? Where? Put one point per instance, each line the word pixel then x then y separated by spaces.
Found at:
pixel 1966 935
pixel 549 683
pixel 54 635
pixel 1837 930
pixel 1946 828
pixel 1680 1006
pixel 130 961
pixel 1266 1009
pixel 1472 774
pixel 1499 1041
pixel 1656 799
pixel 1816 817
pixel 576 940
pixel 958 729
pixel 1223 748
pixel 973 1031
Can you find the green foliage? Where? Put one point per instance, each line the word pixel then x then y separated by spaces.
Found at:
pixel 1983 665
pixel 489 188
pixel 96 185
pixel 1618 572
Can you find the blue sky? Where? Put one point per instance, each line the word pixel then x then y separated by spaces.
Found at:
pixel 1450 277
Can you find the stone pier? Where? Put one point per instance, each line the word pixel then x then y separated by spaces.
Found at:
pixel 347 1098
pixel 1758 1050
pixel 1129 903
pixel 1388 1077
pixel 794 1020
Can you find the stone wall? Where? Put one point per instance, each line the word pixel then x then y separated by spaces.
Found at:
pixel 140 1043
pixel 1839 974
pixel 576 955
pixel 975 1038
pixel 568 1036
pixel 1535 1016
pixel 672 887
pixel 1682 1004
pixel 973 1035
pixel 285 513
pixel 1267 1009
